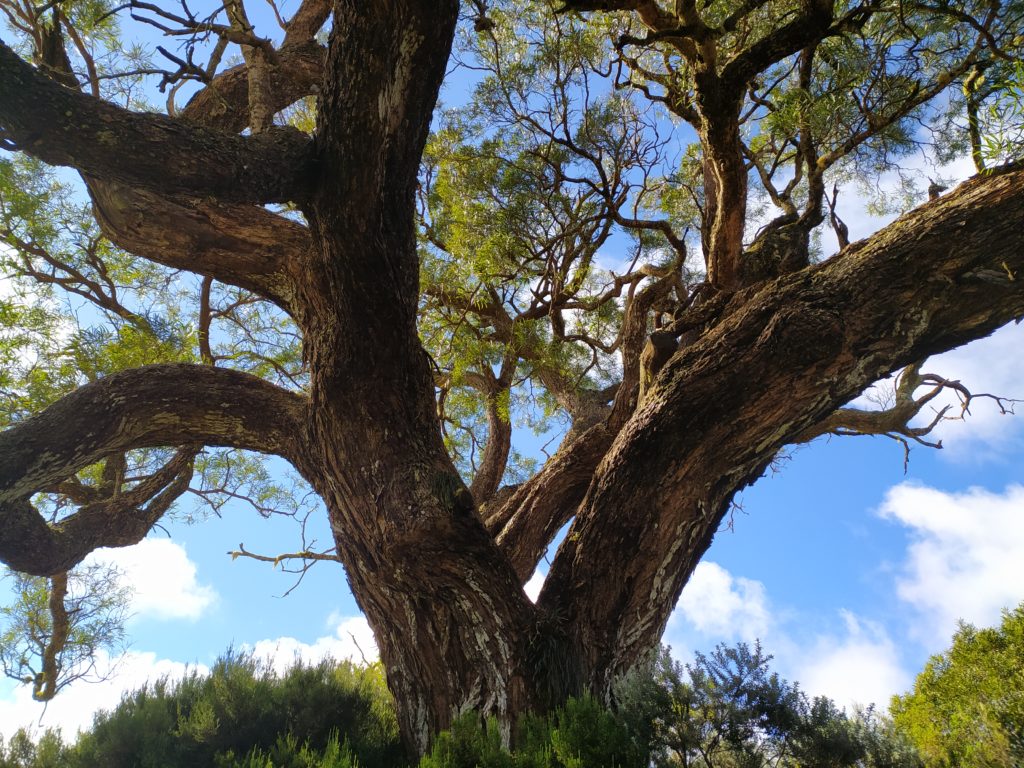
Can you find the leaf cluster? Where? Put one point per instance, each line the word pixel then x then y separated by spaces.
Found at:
pixel 95 609
pixel 244 715
pixel 967 705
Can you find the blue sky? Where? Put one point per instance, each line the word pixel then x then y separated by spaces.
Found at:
pixel 850 570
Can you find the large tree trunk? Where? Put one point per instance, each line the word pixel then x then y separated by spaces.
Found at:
pixel 448 612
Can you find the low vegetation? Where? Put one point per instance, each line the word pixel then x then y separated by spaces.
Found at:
pixel 725 710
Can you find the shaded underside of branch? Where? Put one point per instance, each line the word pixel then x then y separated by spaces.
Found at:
pixel 61 126
pixel 241 245
pixel 154 406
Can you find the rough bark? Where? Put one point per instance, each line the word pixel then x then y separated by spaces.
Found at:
pixel 239 245
pixel 298 72
pixel 715 417
pixel 64 127
pixel 448 612
pixel 159 405
pixel 528 520
pixel 495 455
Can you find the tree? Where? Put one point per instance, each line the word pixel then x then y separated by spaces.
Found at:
pixel 680 376
pixel 967 705
pixel 728 709
pixel 58 624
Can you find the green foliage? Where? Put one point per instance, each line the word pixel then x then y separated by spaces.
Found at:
pixel 580 734
pixel 468 744
pixel 725 710
pixel 967 705
pixel 95 606
pixel 287 752
pixel 242 714
pixel 22 751
pixel 585 734
pixel 1002 132
pixel 729 710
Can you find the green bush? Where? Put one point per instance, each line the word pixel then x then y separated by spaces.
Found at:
pixel 581 734
pixel 288 753
pixel 727 709
pixel 243 709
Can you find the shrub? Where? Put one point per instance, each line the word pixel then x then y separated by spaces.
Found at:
pixel 243 709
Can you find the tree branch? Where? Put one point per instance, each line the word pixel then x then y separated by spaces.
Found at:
pixel 499 435
pixel 524 523
pixel 44 685
pixel 61 126
pixel 122 519
pixel 242 245
pixel 222 104
pixel 303 26
pixel 159 405
pixel 807 28
pixel 801 346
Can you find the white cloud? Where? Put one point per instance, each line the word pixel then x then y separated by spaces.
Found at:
pixel 163 580
pixel 964 560
pixel 860 666
pixel 352 639
pixel 857 664
pixel 74 707
pixel 533 586
pixel 993 365
pixel 854 205
pixel 728 607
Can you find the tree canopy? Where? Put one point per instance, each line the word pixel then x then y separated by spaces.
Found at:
pixel 613 233
pixel 967 705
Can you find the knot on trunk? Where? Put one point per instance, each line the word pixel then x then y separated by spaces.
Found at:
pixel 778 251
pixel 803 334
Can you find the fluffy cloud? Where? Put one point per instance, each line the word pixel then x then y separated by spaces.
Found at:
pixel 728 607
pixel 856 664
pixel 856 206
pixel 74 706
pixel 964 560
pixel 860 666
pixel 163 580
pixel 352 639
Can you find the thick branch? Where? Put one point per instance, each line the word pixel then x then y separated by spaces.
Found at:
pixel 121 519
pixel 525 522
pixel 44 686
pixel 495 458
pixel 807 28
pixel 243 245
pixel 159 405
pixel 222 104
pixel 61 126
pixel 307 21
pixel 786 355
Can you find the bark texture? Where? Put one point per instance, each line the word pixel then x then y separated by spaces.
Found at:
pixel 651 465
